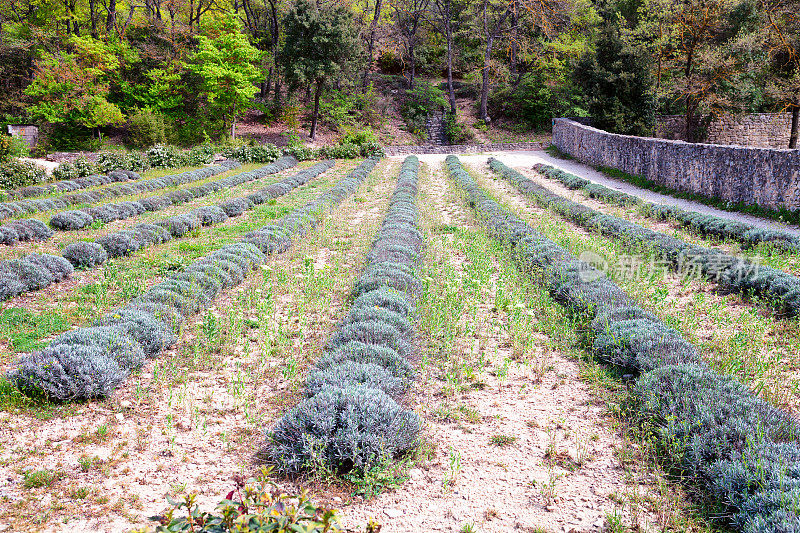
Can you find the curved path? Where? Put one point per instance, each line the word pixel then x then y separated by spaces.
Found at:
pixel 526 159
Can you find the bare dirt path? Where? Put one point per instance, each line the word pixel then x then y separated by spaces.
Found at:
pixel 517 441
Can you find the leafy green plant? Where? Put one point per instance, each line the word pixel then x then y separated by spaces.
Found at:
pixel 146 128
pixel 420 102
pixel 255 504
pixel 15 174
pixel 381 477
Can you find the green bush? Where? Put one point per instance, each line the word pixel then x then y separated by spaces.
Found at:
pixel 455 132
pixel 200 155
pixel 419 102
pixel 165 156
pixel 15 174
pixel 5 148
pixel 253 505
pixel 146 129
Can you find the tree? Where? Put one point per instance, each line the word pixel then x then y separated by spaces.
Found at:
pixel 782 39
pixel 321 44
pixel 617 84
pixel 690 42
pixel 409 15
pixel 443 16
pixel 74 87
pixel 228 67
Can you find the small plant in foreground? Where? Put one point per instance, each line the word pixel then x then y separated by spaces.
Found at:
pixel 386 475
pixel 254 505
pixel 502 440
pixel 39 478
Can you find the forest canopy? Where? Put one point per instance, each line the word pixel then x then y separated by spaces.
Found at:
pixel 185 71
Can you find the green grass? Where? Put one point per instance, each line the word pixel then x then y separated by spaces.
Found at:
pixel 23 330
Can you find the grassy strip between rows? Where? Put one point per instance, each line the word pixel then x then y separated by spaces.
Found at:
pixel 350 421
pixel 91 362
pixel 697 223
pixel 711 428
pixel 781 215
pixel 37 271
pixel 735 274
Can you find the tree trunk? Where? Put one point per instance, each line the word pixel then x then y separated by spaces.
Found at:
pixel 448 32
pixel 514 59
pixel 93 17
pixel 484 112
pixel 233 122
pixel 691 122
pixel 411 50
pixel 795 125
pixel 371 42
pixel 317 94
pixel 111 19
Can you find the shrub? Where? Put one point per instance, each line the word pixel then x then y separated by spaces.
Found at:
pixel 71 220
pixel 386 298
pixel 146 128
pixel 5 148
pixel 164 156
pixel 235 206
pixel 200 155
pixel 373 332
pixel 31 275
pixel 359 352
pixel 210 214
pixel 84 254
pixel 151 334
pixel 254 506
pixel 15 174
pixel 264 153
pixel 58 267
pixel 112 342
pixel 119 244
pixel 67 373
pixel 341 430
pixel 350 373
pixel 10 285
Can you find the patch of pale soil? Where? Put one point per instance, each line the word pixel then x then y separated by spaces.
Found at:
pixel 559 473
pixel 713 321
pixel 192 418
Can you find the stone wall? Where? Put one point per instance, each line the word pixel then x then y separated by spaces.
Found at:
pixel 460 148
pixel 765 130
pixel 27 132
pixel 763 176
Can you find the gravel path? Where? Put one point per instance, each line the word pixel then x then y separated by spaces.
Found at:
pixel 519 159
pixel 527 159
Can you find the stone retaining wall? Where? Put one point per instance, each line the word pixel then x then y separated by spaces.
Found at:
pixel 460 148
pixel 765 130
pixel 763 176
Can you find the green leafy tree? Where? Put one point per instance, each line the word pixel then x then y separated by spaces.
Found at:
pixel 321 44
pixel 781 20
pixel 617 84
pixel 229 67
pixel 73 87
